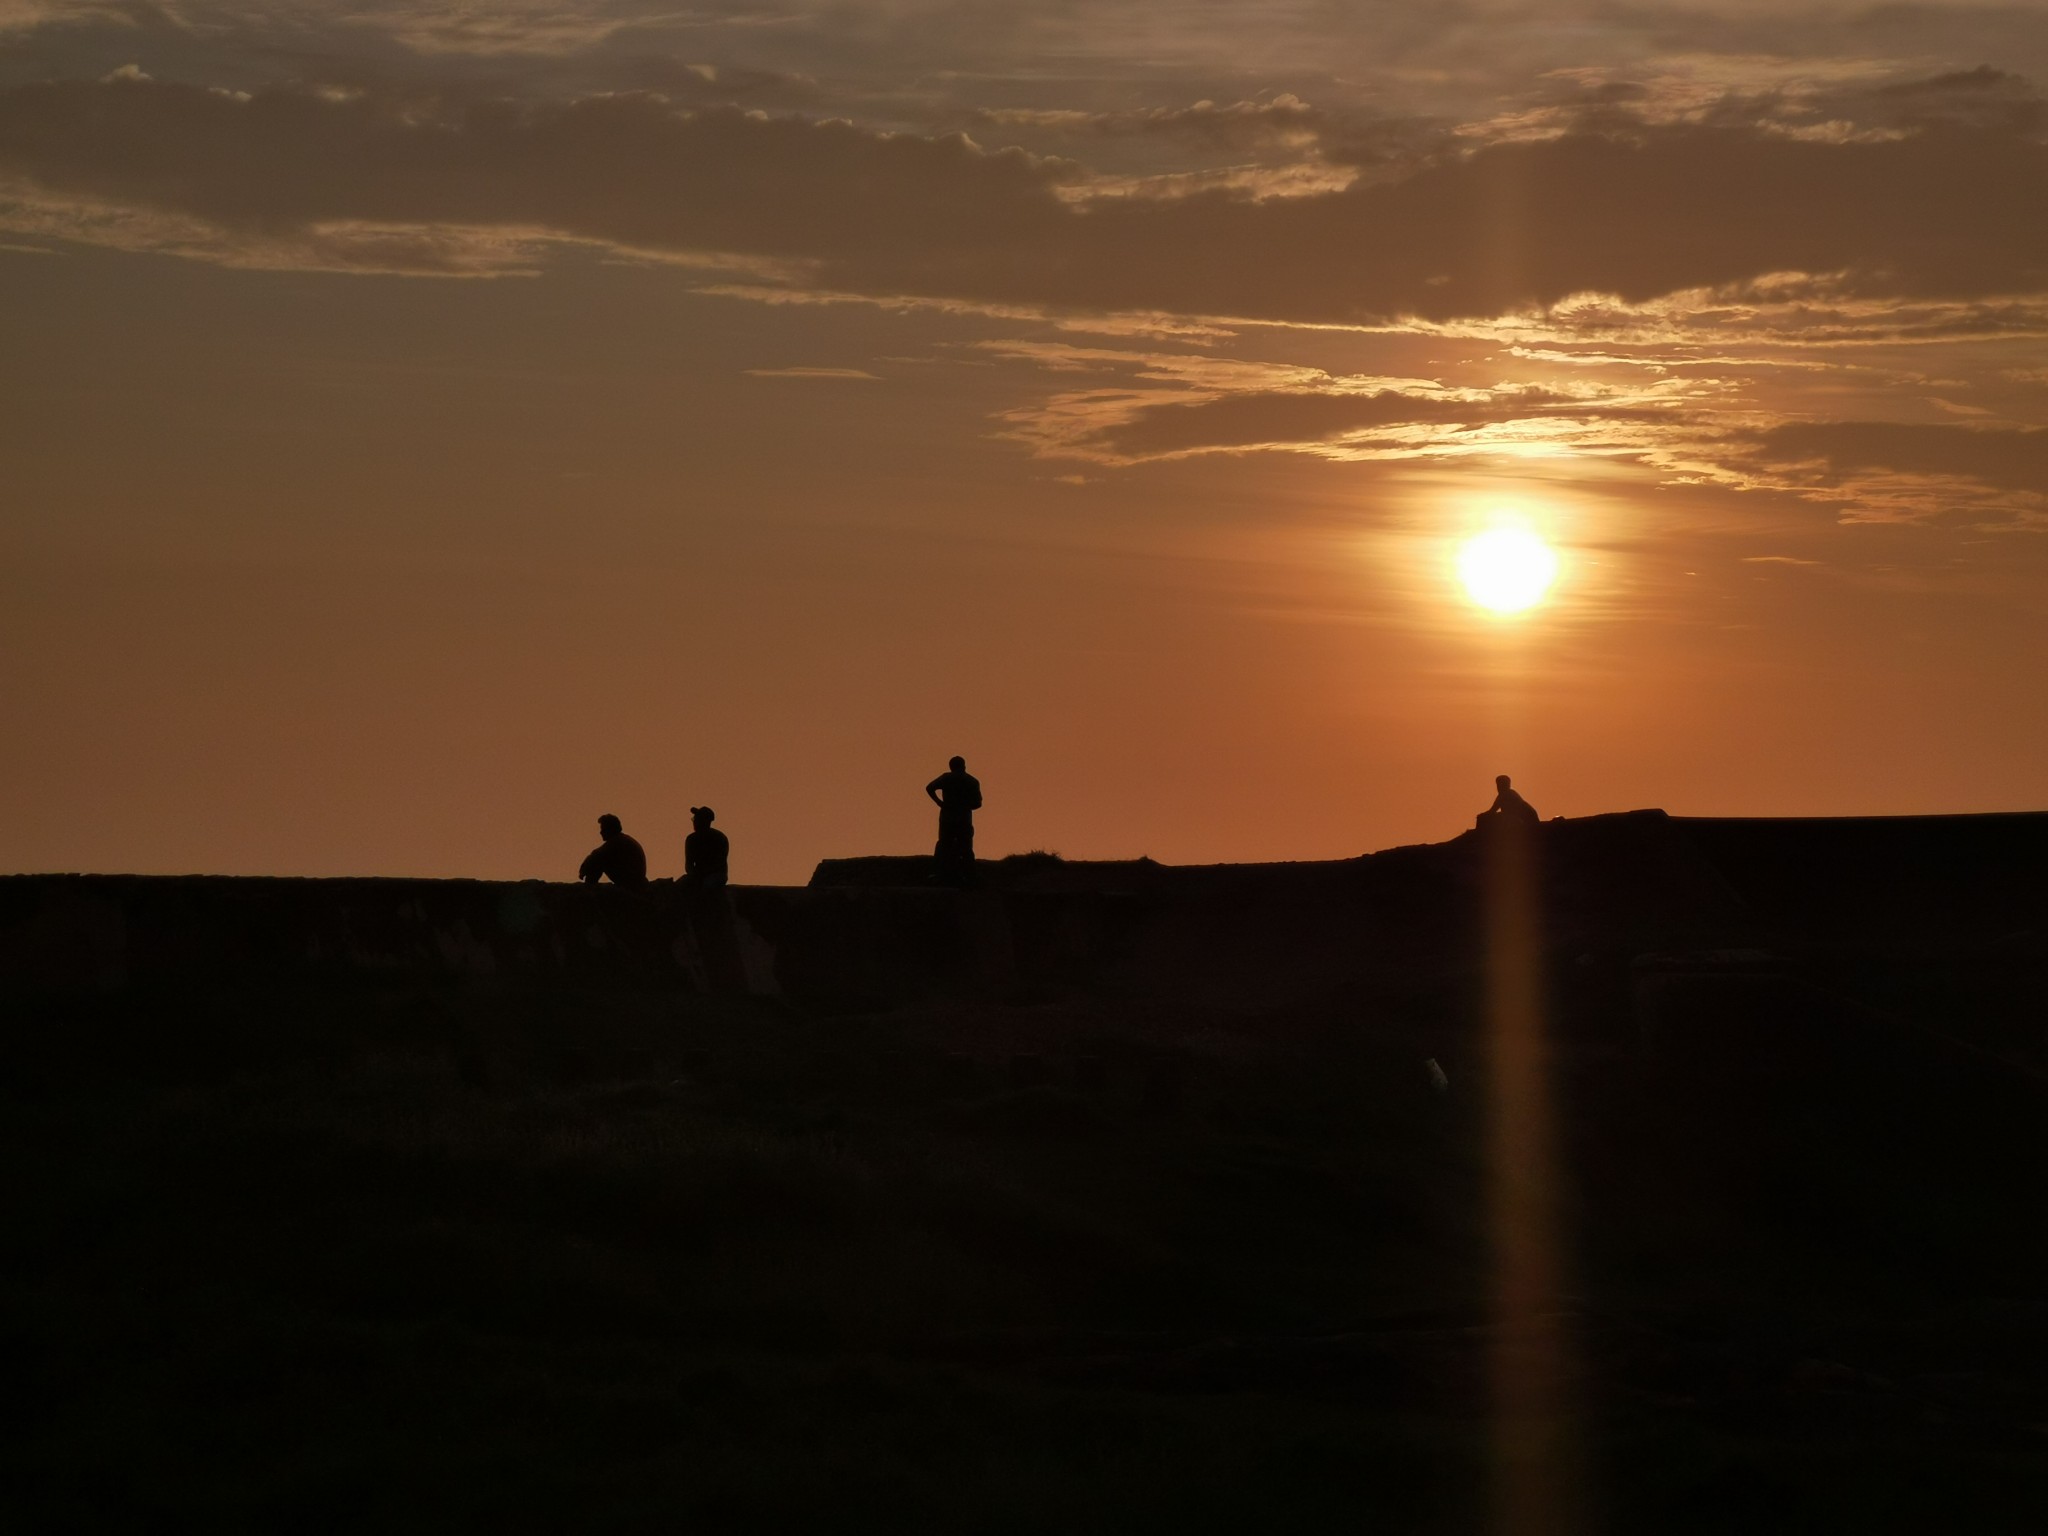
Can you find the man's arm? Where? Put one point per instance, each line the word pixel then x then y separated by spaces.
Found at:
pixel 932 789
pixel 592 868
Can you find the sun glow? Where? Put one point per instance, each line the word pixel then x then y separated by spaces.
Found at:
pixel 1506 570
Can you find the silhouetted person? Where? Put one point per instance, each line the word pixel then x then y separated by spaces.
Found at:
pixel 1508 808
pixel 705 852
pixel 618 856
pixel 957 793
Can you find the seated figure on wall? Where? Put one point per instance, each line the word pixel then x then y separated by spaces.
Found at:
pixel 1508 807
pixel 706 852
pixel 618 858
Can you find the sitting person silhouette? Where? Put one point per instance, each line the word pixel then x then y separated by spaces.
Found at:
pixel 618 856
pixel 1508 807
pixel 705 852
pixel 957 793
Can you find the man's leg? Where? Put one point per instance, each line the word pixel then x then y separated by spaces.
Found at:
pixel 955 850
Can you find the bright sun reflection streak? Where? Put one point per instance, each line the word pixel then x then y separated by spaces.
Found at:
pixel 1506 570
pixel 1533 1471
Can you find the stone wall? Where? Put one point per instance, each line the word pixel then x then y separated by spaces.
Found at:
pixel 869 934
pixel 85 933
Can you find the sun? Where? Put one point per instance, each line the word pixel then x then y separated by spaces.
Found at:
pixel 1506 570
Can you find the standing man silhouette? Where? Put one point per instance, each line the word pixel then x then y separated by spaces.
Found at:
pixel 957 793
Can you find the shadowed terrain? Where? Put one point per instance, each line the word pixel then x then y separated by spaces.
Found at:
pixel 1100 1197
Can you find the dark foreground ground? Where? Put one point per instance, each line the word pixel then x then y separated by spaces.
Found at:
pixel 1157 1222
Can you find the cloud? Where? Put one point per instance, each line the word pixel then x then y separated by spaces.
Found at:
pixel 1699 249
pixel 630 171
pixel 518 26
pixel 2014 458
pixel 1945 213
pixel 1293 419
pixel 1884 471
pixel 27 15
pixel 1749 212
pixel 1454 59
pixel 1982 98
pixel 810 373
pixel 1302 178
pixel 1171 405
pixel 1236 127
pixel 1710 429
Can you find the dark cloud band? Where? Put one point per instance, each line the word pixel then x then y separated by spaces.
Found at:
pixel 1638 211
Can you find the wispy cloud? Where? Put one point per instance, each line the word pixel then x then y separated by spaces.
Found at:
pixel 810 373
pixel 1506 229
pixel 1885 471
pixel 1705 251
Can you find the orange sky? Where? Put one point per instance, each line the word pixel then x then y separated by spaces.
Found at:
pixel 424 427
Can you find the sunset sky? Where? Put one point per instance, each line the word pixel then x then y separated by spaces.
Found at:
pixel 427 424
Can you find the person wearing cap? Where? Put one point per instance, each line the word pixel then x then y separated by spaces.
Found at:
pixel 619 857
pixel 957 793
pixel 705 852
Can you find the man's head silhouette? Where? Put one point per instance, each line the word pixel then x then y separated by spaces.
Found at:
pixel 1500 781
pixel 957 764
pixel 608 827
pixel 701 816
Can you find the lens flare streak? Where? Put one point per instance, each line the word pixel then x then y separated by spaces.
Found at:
pixel 1534 1476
